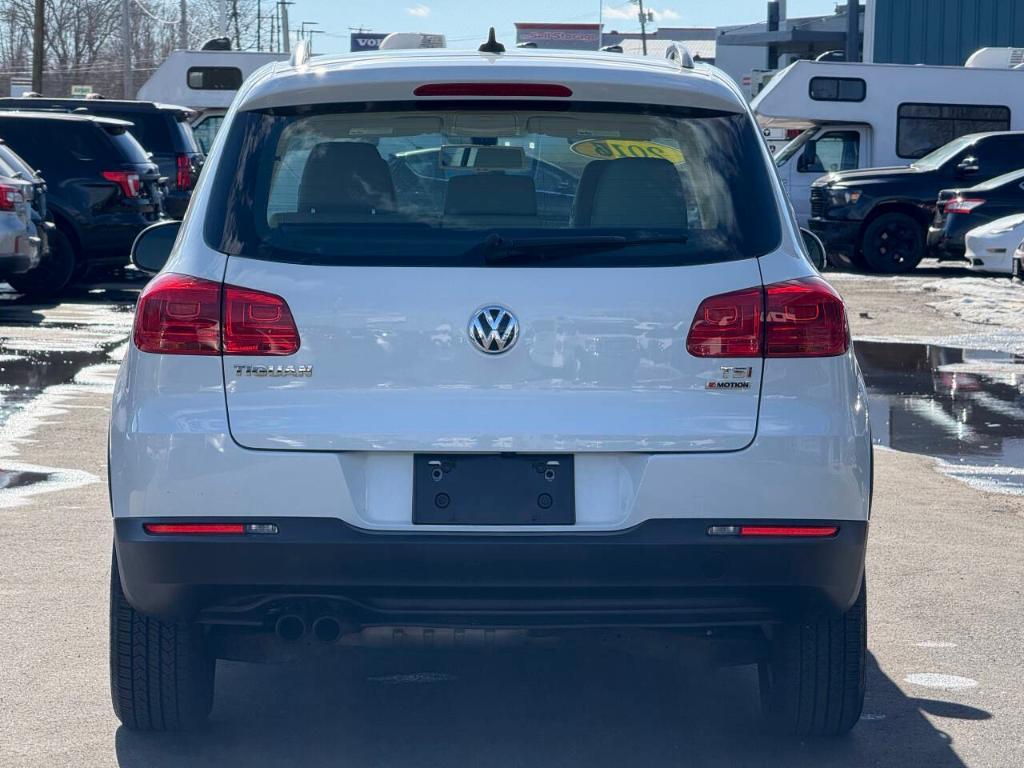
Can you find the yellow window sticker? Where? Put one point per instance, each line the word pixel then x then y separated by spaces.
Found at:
pixel 615 149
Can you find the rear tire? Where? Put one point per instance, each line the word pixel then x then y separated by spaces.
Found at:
pixel 812 683
pixel 893 243
pixel 53 274
pixel 161 676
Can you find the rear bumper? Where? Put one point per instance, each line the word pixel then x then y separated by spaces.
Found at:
pixel 837 236
pixel 659 573
pixel 945 245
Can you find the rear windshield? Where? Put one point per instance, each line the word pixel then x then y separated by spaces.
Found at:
pixel 451 183
pixel 152 129
pixel 128 147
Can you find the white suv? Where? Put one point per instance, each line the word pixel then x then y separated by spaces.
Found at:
pixel 464 344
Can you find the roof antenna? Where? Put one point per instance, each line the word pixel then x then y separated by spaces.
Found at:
pixel 492 45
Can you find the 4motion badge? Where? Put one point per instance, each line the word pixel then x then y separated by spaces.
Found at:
pixel 732 377
pixel 274 370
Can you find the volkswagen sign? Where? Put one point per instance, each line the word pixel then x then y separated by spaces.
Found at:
pixel 494 329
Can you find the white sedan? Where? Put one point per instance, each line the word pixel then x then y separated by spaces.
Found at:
pixel 990 247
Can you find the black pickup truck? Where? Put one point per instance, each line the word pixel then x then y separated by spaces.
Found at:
pixel 878 218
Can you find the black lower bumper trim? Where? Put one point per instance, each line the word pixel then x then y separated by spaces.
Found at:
pixel 659 573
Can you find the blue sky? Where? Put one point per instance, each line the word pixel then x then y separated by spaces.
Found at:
pixel 466 22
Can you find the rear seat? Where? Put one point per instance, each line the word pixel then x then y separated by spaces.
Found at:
pixel 491 200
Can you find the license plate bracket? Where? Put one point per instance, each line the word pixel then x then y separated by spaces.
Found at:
pixel 493 489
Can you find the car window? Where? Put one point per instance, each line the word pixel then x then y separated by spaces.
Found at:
pixel 127 146
pixel 54 147
pixel 205 131
pixel 349 185
pixel 151 129
pixel 922 128
pixel 831 152
pixel 997 155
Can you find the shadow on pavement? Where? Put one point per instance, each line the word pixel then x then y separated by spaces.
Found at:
pixel 524 707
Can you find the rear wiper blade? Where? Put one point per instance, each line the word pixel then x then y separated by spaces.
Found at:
pixel 495 248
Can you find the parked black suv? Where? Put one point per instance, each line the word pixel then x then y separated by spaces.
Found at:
pixel 958 211
pixel 162 129
pixel 878 218
pixel 102 190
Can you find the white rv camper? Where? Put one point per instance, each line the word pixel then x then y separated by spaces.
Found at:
pixel 857 115
pixel 206 81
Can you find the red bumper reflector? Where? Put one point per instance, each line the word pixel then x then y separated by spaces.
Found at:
pixel 194 528
pixel 806 531
pixel 544 90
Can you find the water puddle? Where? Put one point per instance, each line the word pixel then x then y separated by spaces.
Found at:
pixel 963 406
pixel 24 376
pixel 15 478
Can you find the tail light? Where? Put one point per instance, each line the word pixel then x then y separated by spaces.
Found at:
pixel 184 174
pixel 182 315
pixel 179 315
pixel 728 325
pixel 962 205
pixel 10 197
pixel 130 183
pixel 257 323
pixel 796 318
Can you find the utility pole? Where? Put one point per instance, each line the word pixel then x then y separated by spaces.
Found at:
pixel 126 45
pixel 183 25
pixel 285 33
pixel 645 16
pixel 37 48
pixel 259 24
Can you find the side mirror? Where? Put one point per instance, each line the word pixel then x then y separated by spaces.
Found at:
pixel 967 167
pixel 815 249
pixel 152 246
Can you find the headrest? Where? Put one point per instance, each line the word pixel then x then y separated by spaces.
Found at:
pixel 346 177
pixel 630 192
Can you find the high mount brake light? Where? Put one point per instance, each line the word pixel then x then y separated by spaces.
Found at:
pixel 508 90
pixel 182 315
pixel 962 205
pixel 130 183
pixel 796 318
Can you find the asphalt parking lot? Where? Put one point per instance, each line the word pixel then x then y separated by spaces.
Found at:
pixel 946 608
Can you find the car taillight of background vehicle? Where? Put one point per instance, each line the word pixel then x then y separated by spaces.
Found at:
pixel 184 174
pixel 182 315
pixel 10 197
pixel 962 205
pixel 796 318
pixel 130 183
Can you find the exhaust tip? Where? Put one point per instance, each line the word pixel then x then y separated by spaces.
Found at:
pixel 327 629
pixel 290 627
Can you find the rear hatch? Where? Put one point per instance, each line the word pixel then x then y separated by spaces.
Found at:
pixel 386 273
pixel 601 363
pixel 129 157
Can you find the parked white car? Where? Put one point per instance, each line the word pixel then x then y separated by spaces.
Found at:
pixel 20 243
pixel 990 247
pixel 364 403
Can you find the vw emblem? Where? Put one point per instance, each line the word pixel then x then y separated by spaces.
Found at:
pixel 494 329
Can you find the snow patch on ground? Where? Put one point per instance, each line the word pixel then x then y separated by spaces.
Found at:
pixel 979 300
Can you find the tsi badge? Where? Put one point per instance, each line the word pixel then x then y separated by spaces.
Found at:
pixel 273 370
pixel 732 377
